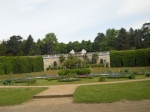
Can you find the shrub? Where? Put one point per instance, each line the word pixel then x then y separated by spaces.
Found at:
pixel 131 76
pixel 130 58
pixel 21 64
pixel 101 78
pixel 147 74
pixel 7 82
pixel 126 71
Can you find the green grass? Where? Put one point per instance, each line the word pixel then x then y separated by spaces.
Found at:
pixel 112 92
pixel 14 96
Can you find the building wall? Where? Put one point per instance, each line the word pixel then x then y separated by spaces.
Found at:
pixel 50 59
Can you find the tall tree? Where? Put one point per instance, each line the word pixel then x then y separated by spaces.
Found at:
pixel 138 39
pixel 132 38
pixel 146 35
pixel 13 45
pixel 3 48
pixel 62 48
pixel 28 44
pixel 122 41
pixel 100 38
pixel 111 35
pixel 51 43
pixel 94 58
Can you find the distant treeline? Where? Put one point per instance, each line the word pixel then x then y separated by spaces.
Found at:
pixel 112 40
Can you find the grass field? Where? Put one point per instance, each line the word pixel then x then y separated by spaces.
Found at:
pixel 112 92
pixel 13 96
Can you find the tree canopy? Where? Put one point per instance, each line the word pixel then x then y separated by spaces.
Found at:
pixel 111 40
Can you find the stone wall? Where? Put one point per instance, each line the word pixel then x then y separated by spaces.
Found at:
pixel 49 60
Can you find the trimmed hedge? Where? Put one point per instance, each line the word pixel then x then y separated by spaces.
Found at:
pixel 20 64
pixel 130 58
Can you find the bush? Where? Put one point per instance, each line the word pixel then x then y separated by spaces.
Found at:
pixel 7 82
pixel 130 58
pixel 126 71
pixel 21 64
pixel 72 72
pixel 147 74
pixel 131 76
pixel 101 78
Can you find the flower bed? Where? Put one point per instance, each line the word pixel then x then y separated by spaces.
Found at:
pixel 69 79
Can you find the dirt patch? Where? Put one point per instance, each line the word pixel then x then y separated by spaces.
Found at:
pixel 66 105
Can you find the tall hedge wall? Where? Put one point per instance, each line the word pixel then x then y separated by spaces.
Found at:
pixel 130 58
pixel 20 64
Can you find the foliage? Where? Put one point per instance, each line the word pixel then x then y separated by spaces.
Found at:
pixel 131 76
pixel 101 78
pixel 130 58
pixel 21 64
pixel 61 58
pixel 94 58
pixel 113 40
pixel 7 82
pixel 73 72
pixel 147 74
pixel 72 62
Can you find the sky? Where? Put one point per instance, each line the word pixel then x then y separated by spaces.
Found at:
pixel 70 20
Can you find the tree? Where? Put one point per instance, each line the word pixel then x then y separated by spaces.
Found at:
pixel 51 43
pixel 73 62
pixel 69 47
pixel 122 41
pixel 14 45
pixel 100 38
pixel 146 35
pixel 132 38
pixel 61 58
pixel 62 48
pixel 111 35
pixel 28 44
pixel 138 39
pixel 94 58
pixel 89 46
pixel 3 48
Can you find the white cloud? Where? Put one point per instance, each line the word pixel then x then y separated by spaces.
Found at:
pixel 26 9
pixel 70 20
pixel 134 6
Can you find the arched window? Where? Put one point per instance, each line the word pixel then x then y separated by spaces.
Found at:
pixel 101 61
pixel 55 63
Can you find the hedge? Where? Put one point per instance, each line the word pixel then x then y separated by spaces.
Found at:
pixel 20 64
pixel 130 58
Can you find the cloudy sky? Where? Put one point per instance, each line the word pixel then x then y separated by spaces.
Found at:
pixel 70 20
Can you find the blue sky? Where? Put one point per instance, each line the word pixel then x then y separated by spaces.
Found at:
pixel 70 20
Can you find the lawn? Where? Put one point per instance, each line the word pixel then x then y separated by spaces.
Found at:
pixel 112 92
pixel 14 96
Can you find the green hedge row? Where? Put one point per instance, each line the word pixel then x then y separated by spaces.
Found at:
pixel 20 64
pixel 130 58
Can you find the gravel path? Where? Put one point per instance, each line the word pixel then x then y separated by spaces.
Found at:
pixel 66 105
